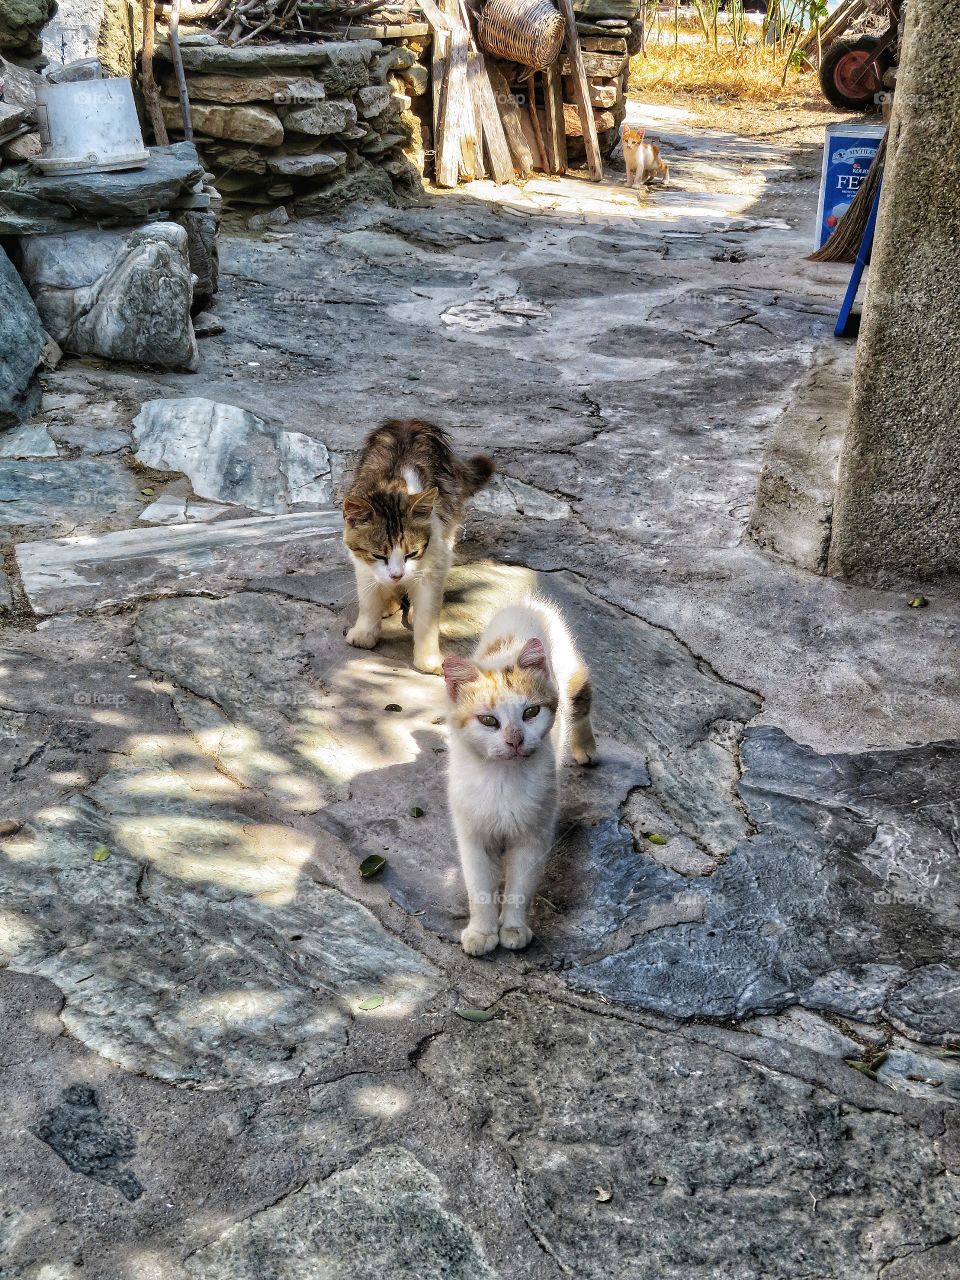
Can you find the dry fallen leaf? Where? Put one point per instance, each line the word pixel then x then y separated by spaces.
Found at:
pixel 603 1194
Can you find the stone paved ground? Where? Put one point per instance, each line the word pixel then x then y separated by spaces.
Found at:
pixel 226 1055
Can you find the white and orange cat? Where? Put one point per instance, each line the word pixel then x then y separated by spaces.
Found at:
pixel 517 706
pixel 645 165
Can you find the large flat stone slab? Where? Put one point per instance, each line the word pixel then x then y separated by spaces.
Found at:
pixel 714 1167
pixel 128 195
pixel 845 898
pixel 200 951
pixel 384 1216
pixel 67 493
pixel 93 572
pixel 233 456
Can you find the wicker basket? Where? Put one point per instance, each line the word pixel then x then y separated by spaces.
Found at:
pixel 526 31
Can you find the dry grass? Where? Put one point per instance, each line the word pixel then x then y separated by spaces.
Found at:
pixel 753 73
pixel 728 83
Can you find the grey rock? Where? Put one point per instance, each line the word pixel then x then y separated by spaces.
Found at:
pixel 507 496
pixel 265 58
pixel 22 340
pixel 277 217
pixel 322 118
pixel 207 324
pixel 416 78
pixel 314 164
pixel 66 493
pixel 246 123
pixel 172 509
pixel 232 456
pixel 374 100
pixel 804 1027
pixel 27 441
pixel 121 294
pixel 357 186
pixel 346 1228
pixel 201 227
pixel 581 1102
pixel 94 571
pixel 128 195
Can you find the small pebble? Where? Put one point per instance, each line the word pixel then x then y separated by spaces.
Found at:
pixel 9 826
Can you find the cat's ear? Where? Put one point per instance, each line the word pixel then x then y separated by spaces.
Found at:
pixel 457 671
pixel 533 654
pixel 356 508
pixel 422 503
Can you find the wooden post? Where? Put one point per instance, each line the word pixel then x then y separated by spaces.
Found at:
pixel 582 93
pixel 555 131
pixel 150 94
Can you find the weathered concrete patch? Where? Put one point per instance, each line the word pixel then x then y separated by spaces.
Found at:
pixel 230 455
pixel 714 1167
pixel 385 1216
pixel 94 572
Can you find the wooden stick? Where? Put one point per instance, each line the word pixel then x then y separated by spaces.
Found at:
pixel 151 94
pixel 174 38
pixel 556 131
pixel 535 121
pixel 582 93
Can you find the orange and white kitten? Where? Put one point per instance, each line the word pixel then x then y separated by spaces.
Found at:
pixel 643 160
pixel 516 708
pixel 401 518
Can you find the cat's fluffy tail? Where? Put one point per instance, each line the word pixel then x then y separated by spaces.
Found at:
pixel 476 472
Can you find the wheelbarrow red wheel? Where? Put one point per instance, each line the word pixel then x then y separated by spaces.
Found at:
pixel 849 76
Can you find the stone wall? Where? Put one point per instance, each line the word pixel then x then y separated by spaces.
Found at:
pixel 897 512
pixel 306 126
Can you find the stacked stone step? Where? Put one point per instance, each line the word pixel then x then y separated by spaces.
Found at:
pixel 306 126
pixel 610 33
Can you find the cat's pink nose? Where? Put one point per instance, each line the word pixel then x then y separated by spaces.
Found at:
pixel 395 576
pixel 513 737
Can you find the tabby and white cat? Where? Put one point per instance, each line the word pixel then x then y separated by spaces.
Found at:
pixel 517 706
pixel 401 518
pixel 645 165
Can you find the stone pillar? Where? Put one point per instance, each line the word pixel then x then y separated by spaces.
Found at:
pixel 897 511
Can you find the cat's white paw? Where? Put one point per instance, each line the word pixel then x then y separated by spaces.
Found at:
pixel 476 943
pixel 586 754
pixel 515 937
pixel 430 663
pixel 362 637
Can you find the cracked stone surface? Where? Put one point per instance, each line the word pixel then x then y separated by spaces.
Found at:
pixel 226 1053
pixel 714 1166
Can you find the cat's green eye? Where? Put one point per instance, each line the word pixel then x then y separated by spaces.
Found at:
pixel 531 713
pixel 489 722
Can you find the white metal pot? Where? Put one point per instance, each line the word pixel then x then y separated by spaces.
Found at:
pixel 89 126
